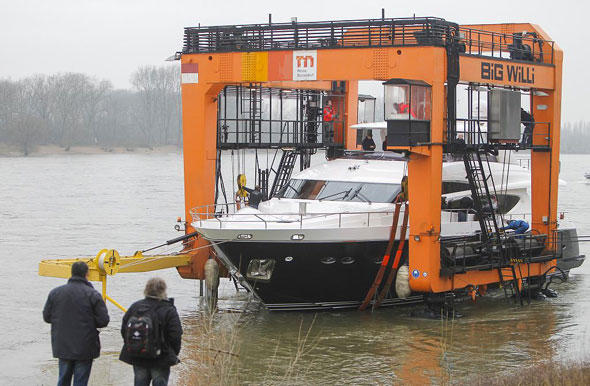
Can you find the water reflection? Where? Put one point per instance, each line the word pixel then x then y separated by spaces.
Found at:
pixel 494 336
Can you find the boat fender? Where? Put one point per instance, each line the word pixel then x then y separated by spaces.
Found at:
pixel 211 283
pixel 402 282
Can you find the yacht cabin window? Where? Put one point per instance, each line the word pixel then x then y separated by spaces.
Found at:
pixel 454 187
pixel 340 191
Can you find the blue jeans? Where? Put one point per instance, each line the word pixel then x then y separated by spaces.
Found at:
pixel 157 375
pixel 79 369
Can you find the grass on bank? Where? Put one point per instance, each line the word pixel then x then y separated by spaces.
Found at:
pixel 213 357
pixel 543 374
pixel 213 354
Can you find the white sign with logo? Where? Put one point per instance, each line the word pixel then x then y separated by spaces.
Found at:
pixel 305 65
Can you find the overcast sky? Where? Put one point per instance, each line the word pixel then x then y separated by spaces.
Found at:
pixel 111 38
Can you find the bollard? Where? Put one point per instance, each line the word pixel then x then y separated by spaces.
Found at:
pixel 211 284
pixel 402 282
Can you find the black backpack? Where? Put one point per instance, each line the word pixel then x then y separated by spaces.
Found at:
pixel 143 338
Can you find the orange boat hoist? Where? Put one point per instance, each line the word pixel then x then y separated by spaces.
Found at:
pixel 278 85
pixel 428 60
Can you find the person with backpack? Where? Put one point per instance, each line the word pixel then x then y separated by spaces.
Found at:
pixel 152 334
pixel 75 311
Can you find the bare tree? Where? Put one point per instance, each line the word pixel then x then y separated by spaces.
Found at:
pixel 93 106
pixel 8 93
pixel 23 126
pixel 159 92
pixel 66 101
pixel 72 108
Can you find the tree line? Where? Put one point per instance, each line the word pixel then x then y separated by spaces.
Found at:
pixel 77 109
pixel 575 137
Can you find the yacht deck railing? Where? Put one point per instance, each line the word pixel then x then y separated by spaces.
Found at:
pixel 228 214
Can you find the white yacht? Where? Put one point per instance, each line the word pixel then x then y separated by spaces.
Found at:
pixel 320 242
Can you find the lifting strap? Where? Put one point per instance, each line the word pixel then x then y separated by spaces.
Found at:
pixel 385 260
pixel 396 261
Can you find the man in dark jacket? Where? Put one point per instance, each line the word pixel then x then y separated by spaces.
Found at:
pixel 368 143
pixel 529 124
pixel 75 311
pixel 156 370
pixel 256 196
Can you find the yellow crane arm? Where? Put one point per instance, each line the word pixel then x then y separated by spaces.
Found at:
pixel 109 262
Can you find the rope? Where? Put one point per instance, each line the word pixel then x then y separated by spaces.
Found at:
pixel 256 167
pixel 508 172
pixel 233 175
pixel 239 161
pixel 149 259
pixel 386 258
pixel 503 168
pixel 397 260
pixel 505 165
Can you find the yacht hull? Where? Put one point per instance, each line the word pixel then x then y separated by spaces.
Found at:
pixel 309 274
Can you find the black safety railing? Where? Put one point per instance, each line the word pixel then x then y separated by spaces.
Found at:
pixel 473 131
pixel 518 46
pixel 251 116
pixel 467 253
pixel 237 133
pixel 384 32
pixel 313 35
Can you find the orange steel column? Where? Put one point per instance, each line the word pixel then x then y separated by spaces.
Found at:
pixel 350 113
pixel 545 165
pixel 199 123
pixel 425 189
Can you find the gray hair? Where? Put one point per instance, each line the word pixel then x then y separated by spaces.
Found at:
pixel 155 288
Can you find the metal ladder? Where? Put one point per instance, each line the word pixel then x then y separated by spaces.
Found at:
pixel 480 193
pixel 510 278
pixel 284 171
pixel 251 107
pixel 481 182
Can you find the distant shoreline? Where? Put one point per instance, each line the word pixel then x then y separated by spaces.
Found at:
pixel 48 150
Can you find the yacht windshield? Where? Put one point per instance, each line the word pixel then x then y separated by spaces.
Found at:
pixel 339 191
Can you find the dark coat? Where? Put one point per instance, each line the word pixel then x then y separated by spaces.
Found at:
pixel 171 331
pixel 368 144
pixel 75 311
pixel 255 197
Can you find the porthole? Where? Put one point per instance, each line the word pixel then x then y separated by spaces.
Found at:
pixel 328 260
pixel 347 260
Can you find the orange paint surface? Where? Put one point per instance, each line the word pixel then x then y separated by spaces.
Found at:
pixel 216 70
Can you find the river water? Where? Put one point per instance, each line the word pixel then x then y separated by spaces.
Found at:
pixel 66 206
